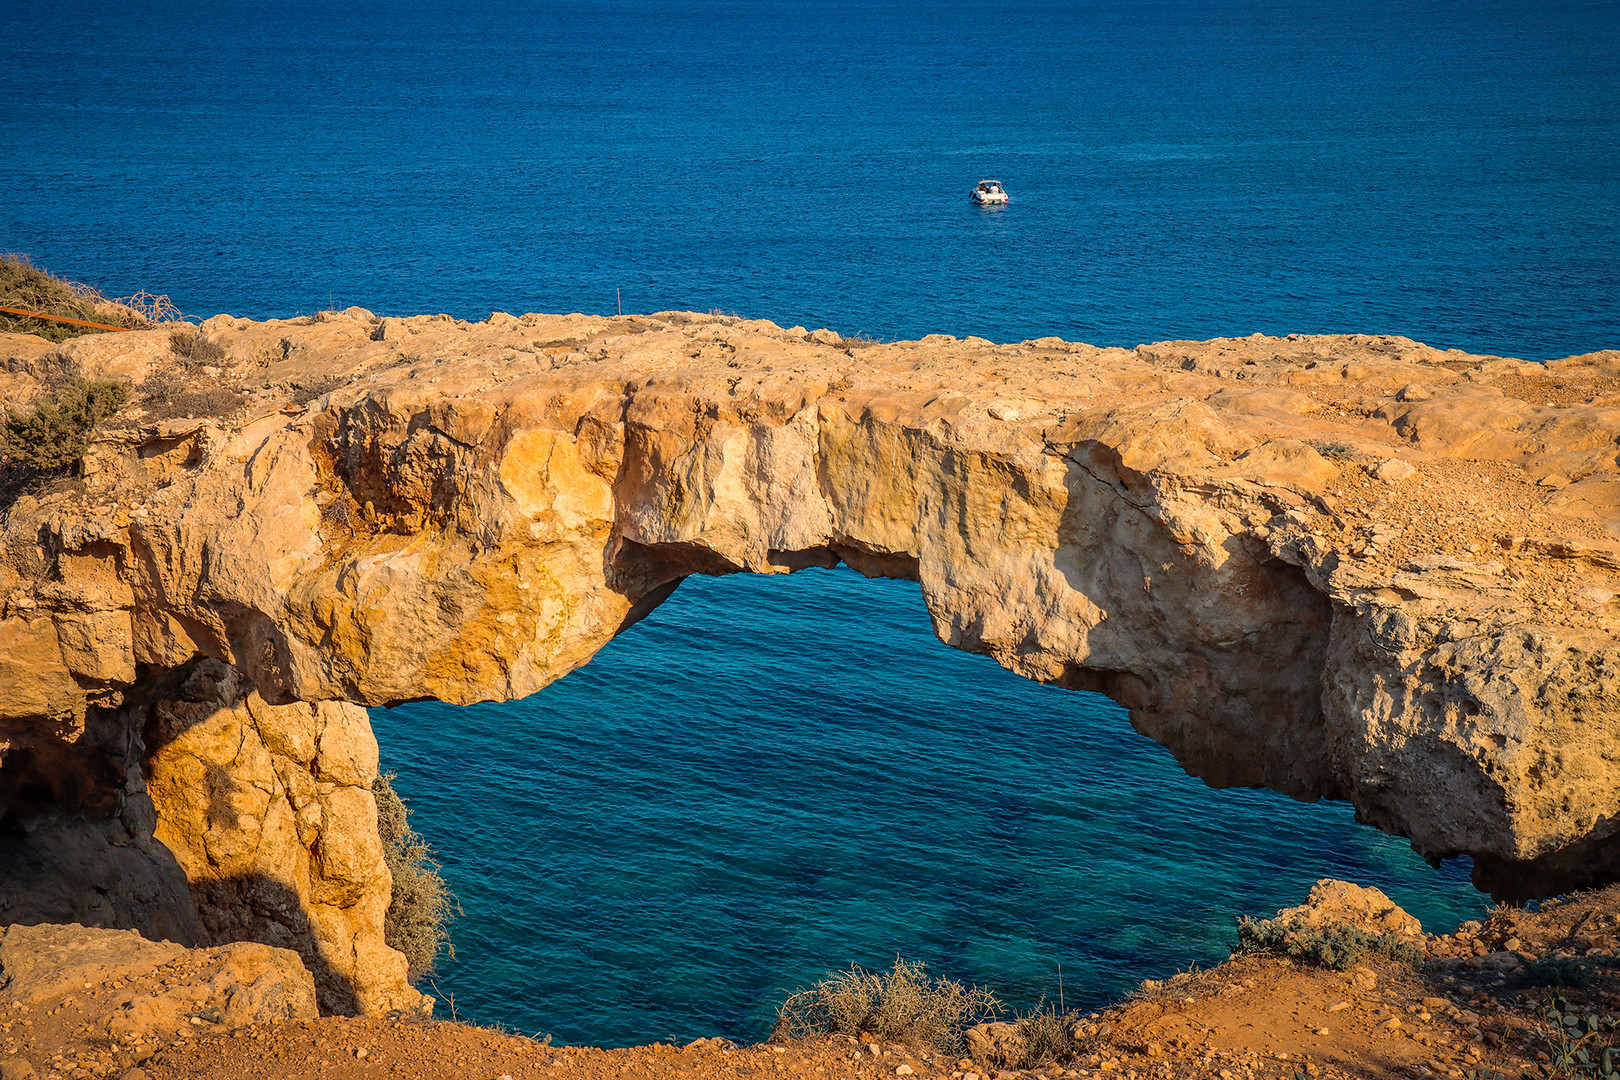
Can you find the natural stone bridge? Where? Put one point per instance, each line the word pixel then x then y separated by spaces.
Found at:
pixel 1344 567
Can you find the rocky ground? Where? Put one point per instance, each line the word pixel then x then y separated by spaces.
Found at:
pixel 1475 1007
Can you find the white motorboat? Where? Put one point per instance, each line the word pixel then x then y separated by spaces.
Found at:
pixel 990 193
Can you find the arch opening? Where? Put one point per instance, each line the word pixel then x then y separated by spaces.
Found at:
pixel 774 776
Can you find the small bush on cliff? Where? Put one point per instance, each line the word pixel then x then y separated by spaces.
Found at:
pixel 422 906
pixel 1581 1045
pixel 44 442
pixel 1046 1036
pixel 902 1005
pixel 1333 945
pixel 55 434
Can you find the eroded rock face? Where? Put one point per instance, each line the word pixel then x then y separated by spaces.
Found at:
pixel 1344 567
pixel 268 811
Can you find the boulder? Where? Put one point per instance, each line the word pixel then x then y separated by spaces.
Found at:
pixel 996 1043
pixel 1360 906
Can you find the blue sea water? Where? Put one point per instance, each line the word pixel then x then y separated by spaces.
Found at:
pixel 773 777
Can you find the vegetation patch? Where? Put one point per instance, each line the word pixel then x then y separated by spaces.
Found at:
pixel 305 392
pixel 1569 971
pixel 194 348
pixel 194 386
pixel 1046 1036
pixel 1335 945
pixel 24 285
pixel 903 1005
pixel 170 395
pixel 422 906
pixel 1581 1045
pixel 1334 451
pixel 44 442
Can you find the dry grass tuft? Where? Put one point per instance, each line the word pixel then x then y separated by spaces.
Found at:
pixel 902 1005
pixel 422 906
pixel 1046 1036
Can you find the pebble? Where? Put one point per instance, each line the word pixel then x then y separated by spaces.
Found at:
pixel 1338 1006
pixel 902 1070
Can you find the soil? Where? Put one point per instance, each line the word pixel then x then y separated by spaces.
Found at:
pixel 1474 1008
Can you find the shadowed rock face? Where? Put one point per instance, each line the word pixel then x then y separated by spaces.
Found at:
pixel 1344 567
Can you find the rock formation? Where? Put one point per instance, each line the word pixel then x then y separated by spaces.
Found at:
pixel 114 994
pixel 1345 567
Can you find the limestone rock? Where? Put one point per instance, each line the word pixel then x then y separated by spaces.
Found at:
pixel 17 1068
pixel 1395 470
pixel 471 511
pixel 1361 906
pixel 996 1043
pixel 117 985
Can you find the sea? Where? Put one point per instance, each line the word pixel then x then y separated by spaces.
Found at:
pixel 772 778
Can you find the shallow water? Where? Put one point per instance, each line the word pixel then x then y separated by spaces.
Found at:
pixel 770 778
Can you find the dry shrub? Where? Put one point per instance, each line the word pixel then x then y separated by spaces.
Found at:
pixel 305 392
pixel 194 349
pixel 150 307
pixel 24 285
pixel 1047 1035
pixel 170 395
pixel 422 906
pixel 902 1005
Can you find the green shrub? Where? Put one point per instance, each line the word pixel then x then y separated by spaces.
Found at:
pixel 422 906
pixel 1335 945
pixel 902 1005
pixel 56 433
